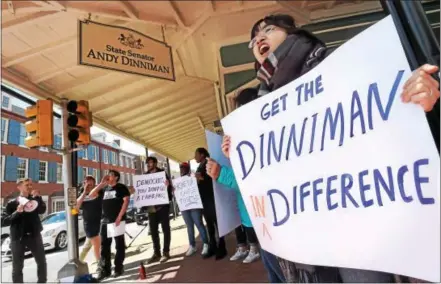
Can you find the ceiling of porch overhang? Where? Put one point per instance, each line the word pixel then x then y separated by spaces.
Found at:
pixel 39 56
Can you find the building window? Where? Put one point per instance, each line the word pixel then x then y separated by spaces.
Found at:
pixel 57 205
pixel 121 161
pixel 94 153
pixel 121 178
pixel 59 173
pixel 129 179
pixel 23 135
pixel 22 168
pixel 84 173
pixel 42 172
pixel 4 134
pixel 95 174
pixel 57 141
pixel 105 156
pixel 5 101
pixel 114 161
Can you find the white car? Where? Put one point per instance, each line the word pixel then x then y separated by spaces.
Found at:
pixel 54 233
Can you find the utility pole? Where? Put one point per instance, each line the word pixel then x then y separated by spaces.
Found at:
pixel 74 267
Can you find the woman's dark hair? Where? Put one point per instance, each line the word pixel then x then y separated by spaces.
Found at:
pixel 115 173
pixel 283 21
pixel 153 159
pixel 203 151
pixel 245 96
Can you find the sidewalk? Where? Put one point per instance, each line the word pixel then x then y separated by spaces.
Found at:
pixel 186 269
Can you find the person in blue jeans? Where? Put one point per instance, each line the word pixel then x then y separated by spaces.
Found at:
pixel 193 217
pixel 226 177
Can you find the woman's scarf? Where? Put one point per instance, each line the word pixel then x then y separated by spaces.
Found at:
pixel 300 49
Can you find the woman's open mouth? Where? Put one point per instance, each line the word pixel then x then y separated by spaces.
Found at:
pixel 264 48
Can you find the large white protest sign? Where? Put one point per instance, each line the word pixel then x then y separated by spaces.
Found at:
pixel 335 170
pixel 227 211
pixel 150 189
pixel 187 193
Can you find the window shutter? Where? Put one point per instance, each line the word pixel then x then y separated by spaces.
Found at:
pixel 34 167
pixel 80 175
pixel 52 175
pixel 80 154
pixel 89 152
pixel 11 168
pixel 14 132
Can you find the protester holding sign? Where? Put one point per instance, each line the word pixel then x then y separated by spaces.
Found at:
pixel 159 214
pixel 225 175
pixel 26 230
pixel 284 53
pixel 193 217
pixel 92 210
pixel 115 203
pixel 205 184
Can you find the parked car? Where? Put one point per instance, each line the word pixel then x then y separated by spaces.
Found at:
pixel 5 225
pixel 141 216
pixel 131 211
pixel 54 233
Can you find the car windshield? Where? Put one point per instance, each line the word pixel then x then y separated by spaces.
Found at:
pixel 54 218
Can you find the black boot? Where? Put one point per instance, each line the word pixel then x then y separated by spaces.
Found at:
pixel 211 251
pixel 221 253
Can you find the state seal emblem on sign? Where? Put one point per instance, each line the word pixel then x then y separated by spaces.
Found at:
pixel 130 41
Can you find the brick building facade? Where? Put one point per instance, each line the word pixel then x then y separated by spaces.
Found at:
pixel 44 166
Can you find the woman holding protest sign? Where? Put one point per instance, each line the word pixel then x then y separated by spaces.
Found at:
pixel 269 260
pixel 283 53
pixel 217 245
pixel 193 217
pixel 224 175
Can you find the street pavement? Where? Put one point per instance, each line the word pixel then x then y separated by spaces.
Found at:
pixel 178 269
pixel 57 259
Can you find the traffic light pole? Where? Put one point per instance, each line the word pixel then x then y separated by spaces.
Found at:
pixel 74 267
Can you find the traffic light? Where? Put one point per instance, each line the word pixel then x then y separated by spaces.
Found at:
pixel 41 125
pixel 79 122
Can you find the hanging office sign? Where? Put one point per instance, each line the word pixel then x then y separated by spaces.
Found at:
pixel 123 49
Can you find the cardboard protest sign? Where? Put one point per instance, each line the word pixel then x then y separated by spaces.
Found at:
pixel 187 193
pixel 150 189
pixel 227 212
pixel 336 171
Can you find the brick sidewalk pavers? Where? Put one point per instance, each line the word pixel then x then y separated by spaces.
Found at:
pixel 187 269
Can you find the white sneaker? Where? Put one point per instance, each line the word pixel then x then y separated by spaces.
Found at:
pixel 204 249
pixel 191 250
pixel 252 256
pixel 239 254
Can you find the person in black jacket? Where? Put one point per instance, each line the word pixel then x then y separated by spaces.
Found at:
pixel 205 185
pixel 26 231
pixel 159 214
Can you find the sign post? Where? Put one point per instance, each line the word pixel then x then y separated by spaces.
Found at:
pixel 74 267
